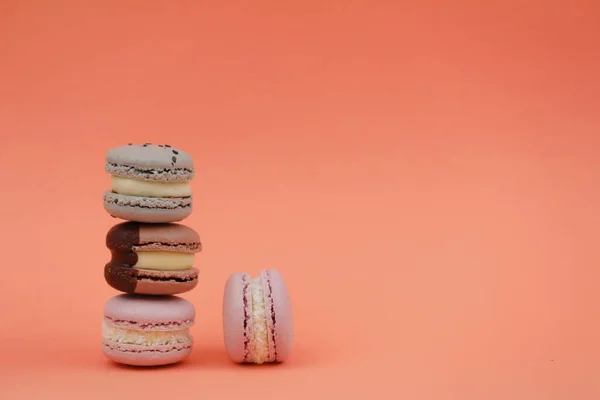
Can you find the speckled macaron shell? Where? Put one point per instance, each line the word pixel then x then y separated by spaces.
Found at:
pixel 147 209
pixel 150 162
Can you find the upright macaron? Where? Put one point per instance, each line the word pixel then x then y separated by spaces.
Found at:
pixel 149 183
pixel 155 259
pixel 147 330
pixel 257 318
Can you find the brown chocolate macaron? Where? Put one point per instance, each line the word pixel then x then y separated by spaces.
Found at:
pixel 154 259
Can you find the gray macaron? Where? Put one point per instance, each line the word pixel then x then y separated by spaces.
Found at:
pixel 148 163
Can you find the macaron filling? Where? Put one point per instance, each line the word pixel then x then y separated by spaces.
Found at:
pixel 119 335
pixel 147 188
pixel 258 346
pixel 164 260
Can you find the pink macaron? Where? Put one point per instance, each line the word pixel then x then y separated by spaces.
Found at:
pixel 257 318
pixel 147 330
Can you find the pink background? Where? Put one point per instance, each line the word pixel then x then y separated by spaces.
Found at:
pixel 424 174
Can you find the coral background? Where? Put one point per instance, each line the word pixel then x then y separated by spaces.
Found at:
pixel 424 174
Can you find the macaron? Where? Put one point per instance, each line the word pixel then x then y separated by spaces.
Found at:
pixel 155 259
pixel 257 318
pixel 147 330
pixel 149 183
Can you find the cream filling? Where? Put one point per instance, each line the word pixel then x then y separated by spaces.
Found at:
pixel 259 347
pixel 145 338
pixel 164 260
pixel 136 187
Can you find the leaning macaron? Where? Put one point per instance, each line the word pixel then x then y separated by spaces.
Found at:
pixel 156 259
pixel 149 183
pixel 147 330
pixel 257 318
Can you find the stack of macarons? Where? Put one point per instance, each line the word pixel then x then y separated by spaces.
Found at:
pixel 152 255
pixel 152 260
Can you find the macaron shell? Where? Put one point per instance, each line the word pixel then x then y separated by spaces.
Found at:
pixel 147 209
pixel 268 299
pixel 234 316
pixel 168 233
pixel 149 310
pixel 146 358
pixel 145 281
pixel 283 326
pixel 150 156
pixel 156 175
pixel 147 202
pixel 157 288
pixel 138 237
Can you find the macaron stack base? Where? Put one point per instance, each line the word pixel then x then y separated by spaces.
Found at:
pixel 152 257
pixel 147 330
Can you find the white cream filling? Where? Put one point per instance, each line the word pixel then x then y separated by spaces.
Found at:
pixel 136 187
pixel 259 347
pixel 144 338
pixel 164 260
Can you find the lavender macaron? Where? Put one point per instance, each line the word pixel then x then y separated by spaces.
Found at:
pixel 147 330
pixel 149 183
pixel 257 318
